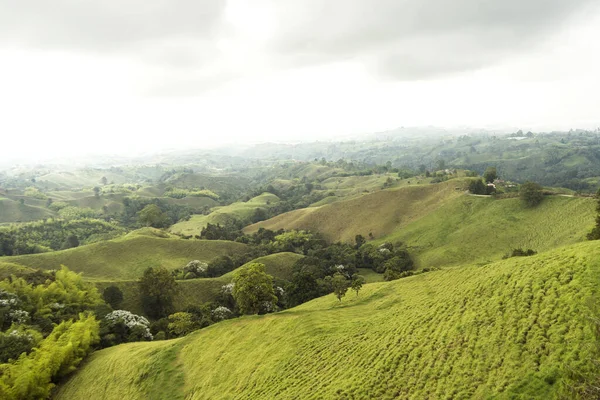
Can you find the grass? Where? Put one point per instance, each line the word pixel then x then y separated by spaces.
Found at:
pixel 202 290
pixel 379 213
pixel 126 258
pixel 479 229
pixel 13 211
pixel 219 215
pixel 513 329
pixel 370 275
pixel 8 269
pixel 444 226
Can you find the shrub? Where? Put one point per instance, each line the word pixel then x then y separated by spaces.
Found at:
pixel 32 375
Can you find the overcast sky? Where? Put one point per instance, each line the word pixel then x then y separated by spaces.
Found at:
pixel 135 75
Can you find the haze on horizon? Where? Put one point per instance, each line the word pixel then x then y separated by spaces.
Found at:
pixel 131 76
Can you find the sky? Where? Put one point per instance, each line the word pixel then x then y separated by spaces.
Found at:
pixel 132 76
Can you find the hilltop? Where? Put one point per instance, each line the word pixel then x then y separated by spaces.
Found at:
pixel 444 226
pixel 517 328
pixel 379 213
pixel 126 258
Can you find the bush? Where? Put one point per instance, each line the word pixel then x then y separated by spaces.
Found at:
pixel 32 375
pixel 531 194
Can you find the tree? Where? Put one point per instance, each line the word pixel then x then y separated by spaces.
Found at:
pixel 595 233
pixel 96 191
pixel 359 240
pixel 104 181
pixel 157 289
pixel 113 296
pixel 476 186
pixel 531 194
pixel 182 323
pixel 357 282
pixel 152 215
pixel 71 242
pixel 253 289
pixel 340 285
pixel 490 174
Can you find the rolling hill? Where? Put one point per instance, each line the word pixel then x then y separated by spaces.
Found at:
pixel 444 226
pixel 202 290
pixel 13 211
pixel 478 229
pixel 126 258
pixel 219 215
pixel 379 213
pixel 518 328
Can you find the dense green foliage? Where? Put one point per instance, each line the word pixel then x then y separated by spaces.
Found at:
pixel 53 234
pixel 34 375
pixel 531 194
pixel 157 289
pixel 253 289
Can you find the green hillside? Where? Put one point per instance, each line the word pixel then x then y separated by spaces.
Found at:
pixel 126 258
pixel 479 229
pixel 219 215
pixel 517 328
pixel 202 290
pixel 445 226
pixel 13 211
pixel 379 213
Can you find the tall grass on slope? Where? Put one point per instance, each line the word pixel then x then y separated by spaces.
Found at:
pixel 379 213
pixel 475 229
pixel 518 328
pixel 127 257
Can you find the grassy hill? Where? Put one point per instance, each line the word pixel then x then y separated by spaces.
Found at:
pixel 445 226
pixel 479 229
pixel 126 258
pixel 202 290
pixel 218 215
pixel 13 211
pixel 517 328
pixel 379 213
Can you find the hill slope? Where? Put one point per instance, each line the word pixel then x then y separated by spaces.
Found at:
pixel 514 329
pixel 13 211
pixel 478 229
pixel 127 257
pixel 443 226
pixel 379 213
pixel 219 215
pixel 202 290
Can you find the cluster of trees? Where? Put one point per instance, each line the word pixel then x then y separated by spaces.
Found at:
pixel 154 212
pixel 520 253
pixel 54 234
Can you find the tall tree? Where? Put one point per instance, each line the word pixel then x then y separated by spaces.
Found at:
pixel 531 194
pixel 157 289
pixel 490 174
pixel 595 233
pixel 340 285
pixel 253 289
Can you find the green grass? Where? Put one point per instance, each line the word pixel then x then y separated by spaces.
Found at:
pixel 513 329
pixel 379 213
pixel 219 215
pixel 444 226
pixel 370 275
pixel 478 229
pixel 126 258
pixel 13 211
pixel 8 269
